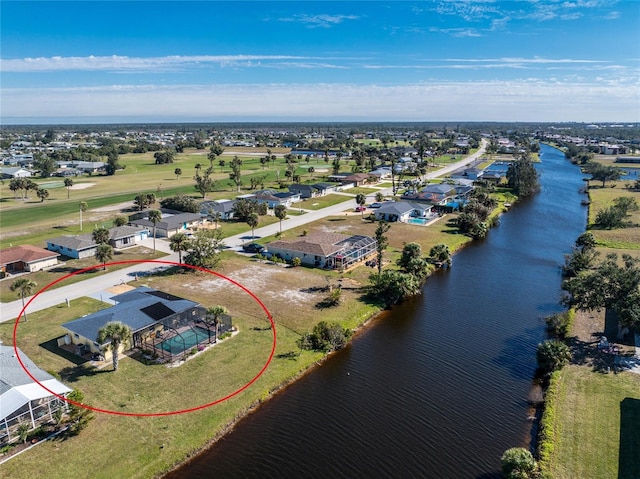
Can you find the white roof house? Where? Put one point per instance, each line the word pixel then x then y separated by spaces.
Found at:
pixel 22 400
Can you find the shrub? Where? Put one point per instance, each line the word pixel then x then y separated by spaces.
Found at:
pixel 518 463
pixel 296 261
pixel 560 324
pixel 552 355
pixel 325 337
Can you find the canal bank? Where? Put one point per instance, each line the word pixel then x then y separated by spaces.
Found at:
pixel 438 386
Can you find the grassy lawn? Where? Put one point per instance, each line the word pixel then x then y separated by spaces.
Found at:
pixel 361 189
pixel 321 202
pixel 42 278
pixel 598 417
pixel 619 238
pixel 108 445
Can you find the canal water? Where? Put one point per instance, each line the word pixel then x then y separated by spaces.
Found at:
pixel 436 388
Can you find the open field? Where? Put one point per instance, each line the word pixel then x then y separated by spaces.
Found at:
pixel 598 419
pixel 619 238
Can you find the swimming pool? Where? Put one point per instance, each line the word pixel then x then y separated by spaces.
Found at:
pixel 418 221
pixel 185 340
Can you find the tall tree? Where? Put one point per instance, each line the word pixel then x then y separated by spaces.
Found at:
pixel 280 212
pixel 252 220
pixel 178 243
pixel 361 199
pixel 24 287
pixel 115 333
pixel 68 183
pixel 412 262
pixel 603 173
pixel 178 173
pixel 120 220
pixel 204 248
pixel 83 207
pixel 155 216
pixel 101 235
pixel 236 173
pixel 42 194
pixel 522 176
pixel 382 241
pixel 204 182
pixel 104 252
pixel 215 151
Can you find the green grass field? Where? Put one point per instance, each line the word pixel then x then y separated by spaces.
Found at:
pixel 598 419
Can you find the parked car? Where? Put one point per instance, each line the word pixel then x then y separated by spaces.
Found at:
pixel 375 205
pixel 253 248
pixel 360 208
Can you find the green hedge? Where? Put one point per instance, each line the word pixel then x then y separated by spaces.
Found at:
pixel 547 432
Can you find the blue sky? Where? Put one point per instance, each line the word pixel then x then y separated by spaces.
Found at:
pixel 467 60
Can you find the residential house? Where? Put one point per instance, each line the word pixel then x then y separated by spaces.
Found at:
pixel 77 247
pixel 154 318
pixel 83 246
pixel 359 179
pixel 22 400
pixel 222 208
pixel 326 188
pixel 26 258
pixel 274 198
pixel 15 172
pixel 304 191
pixel 325 250
pixel 402 211
pixel 170 225
pixel 381 173
pixel 126 236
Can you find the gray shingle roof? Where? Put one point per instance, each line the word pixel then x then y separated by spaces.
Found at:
pixel 138 309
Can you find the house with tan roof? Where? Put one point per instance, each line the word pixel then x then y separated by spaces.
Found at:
pixel 26 259
pixel 325 250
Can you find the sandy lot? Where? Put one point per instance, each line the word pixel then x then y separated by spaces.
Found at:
pixel 82 186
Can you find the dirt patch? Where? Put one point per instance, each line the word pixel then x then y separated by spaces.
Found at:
pixel 121 288
pixel 266 281
pixel 127 205
pixel 82 186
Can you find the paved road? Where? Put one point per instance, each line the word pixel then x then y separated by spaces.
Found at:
pixel 96 287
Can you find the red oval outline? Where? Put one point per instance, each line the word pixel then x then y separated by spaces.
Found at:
pixel 159 414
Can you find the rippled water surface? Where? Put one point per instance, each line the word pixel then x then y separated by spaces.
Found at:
pixel 437 387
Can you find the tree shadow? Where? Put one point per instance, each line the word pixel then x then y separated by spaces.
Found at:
pixel 52 347
pixel 293 355
pixel 629 452
pixel 73 374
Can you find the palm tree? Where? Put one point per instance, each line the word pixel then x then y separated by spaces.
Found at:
pixel 177 172
pixel 280 211
pixel 83 207
pixel 115 333
pixel 42 194
pixel 216 312
pixel 361 199
pixel 379 196
pixel 68 183
pixel 155 216
pixel 101 235
pixel 252 221
pixel 104 252
pixel 24 287
pixel 440 254
pixel 179 242
pixel 120 220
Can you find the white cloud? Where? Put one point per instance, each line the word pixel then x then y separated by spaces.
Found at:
pixel 125 63
pixel 522 100
pixel 321 21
